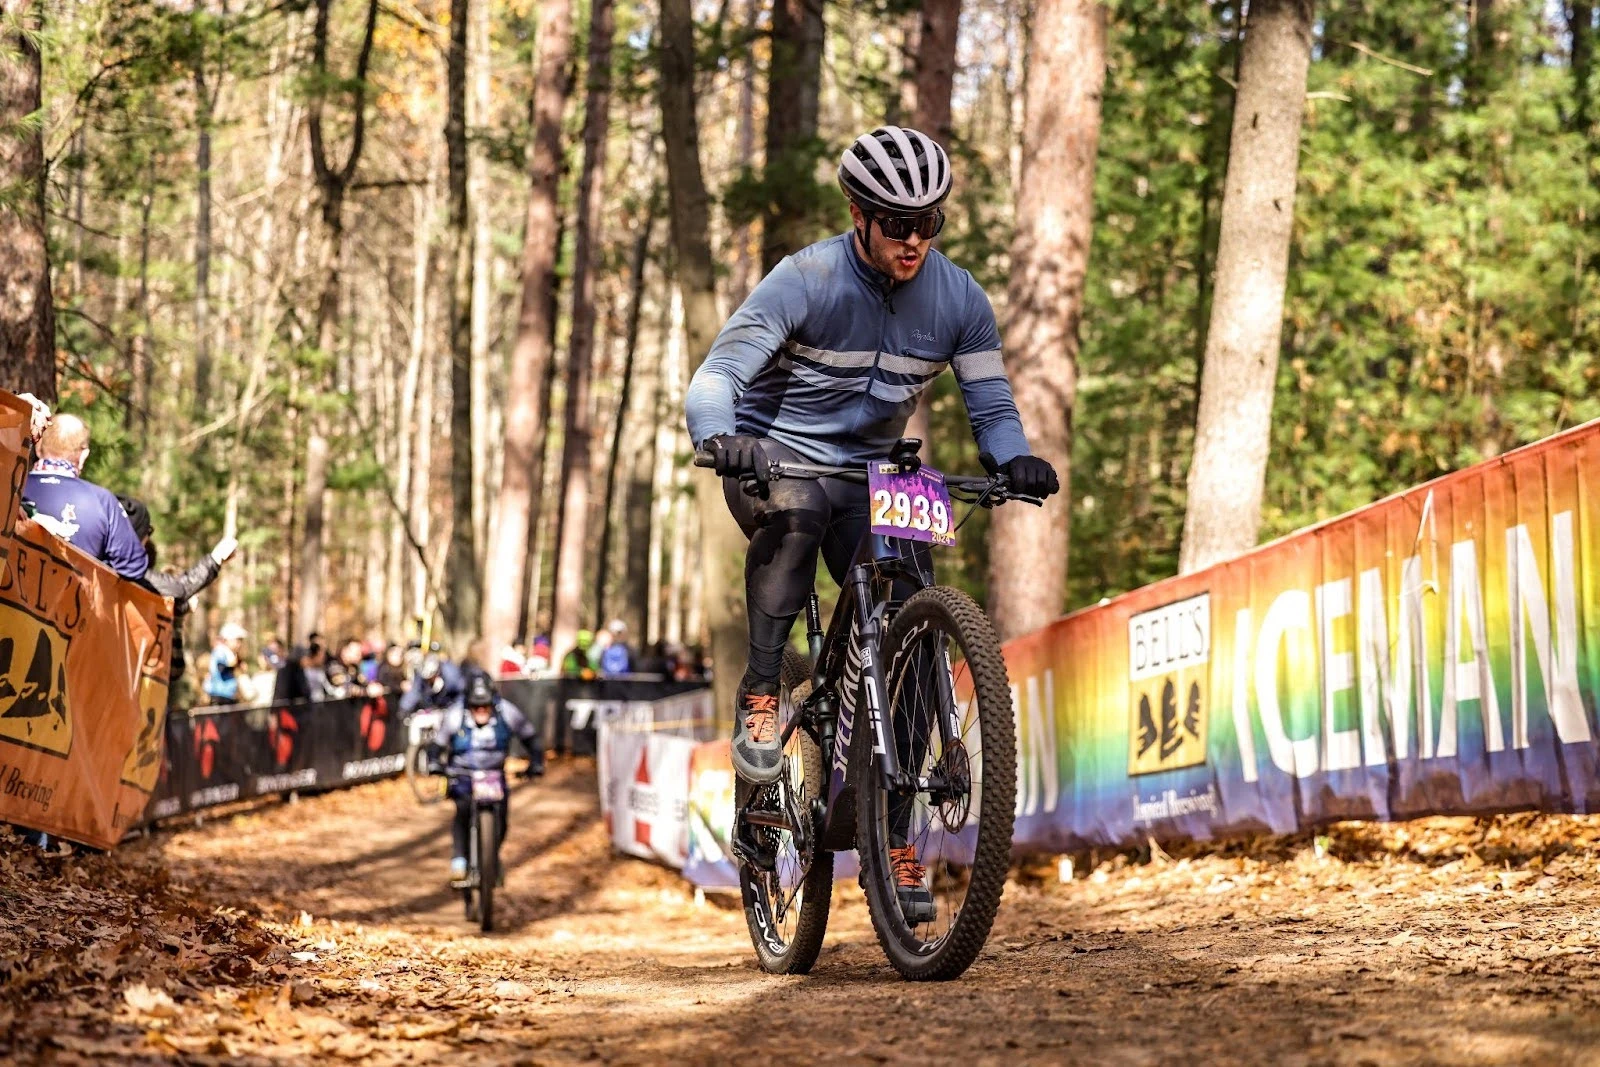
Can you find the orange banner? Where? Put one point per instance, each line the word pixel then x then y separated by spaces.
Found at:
pixel 83 674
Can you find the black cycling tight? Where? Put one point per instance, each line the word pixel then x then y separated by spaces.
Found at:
pixel 786 530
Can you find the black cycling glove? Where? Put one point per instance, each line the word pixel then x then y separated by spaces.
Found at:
pixel 735 455
pixel 1031 476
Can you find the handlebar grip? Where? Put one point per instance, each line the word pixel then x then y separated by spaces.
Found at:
pixel 703 458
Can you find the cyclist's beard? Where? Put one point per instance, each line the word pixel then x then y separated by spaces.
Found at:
pixel 886 256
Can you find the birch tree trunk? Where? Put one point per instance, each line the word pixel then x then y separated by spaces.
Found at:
pixel 1234 426
pixel 1049 257
pixel 27 312
pixel 572 572
pixel 516 508
pixel 721 545
pixel 794 83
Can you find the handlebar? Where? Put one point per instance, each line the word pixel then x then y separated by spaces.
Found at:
pixel 988 490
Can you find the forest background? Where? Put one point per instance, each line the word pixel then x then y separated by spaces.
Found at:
pixel 407 292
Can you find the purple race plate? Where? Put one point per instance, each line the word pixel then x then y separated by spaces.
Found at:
pixel 913 506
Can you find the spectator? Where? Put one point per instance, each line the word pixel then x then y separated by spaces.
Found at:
pixel 392 671
pixel 616 658
pixel 654 660
pixel 514 660
pixel 180 587
pixel 272 657
pixel 597 648
pixel 575 664
pixel 304 677
pixel 222 682
pixel 80 512
pixel 437 685
pixel 539 656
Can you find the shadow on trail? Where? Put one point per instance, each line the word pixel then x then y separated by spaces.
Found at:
pixel 517 855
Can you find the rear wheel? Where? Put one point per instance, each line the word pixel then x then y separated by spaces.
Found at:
pixel 488 866
pixel 949 702
pixel 786 908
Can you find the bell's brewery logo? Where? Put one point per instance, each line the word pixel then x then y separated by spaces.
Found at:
pixel 1168 649
pixel 142 768
pixel 41 607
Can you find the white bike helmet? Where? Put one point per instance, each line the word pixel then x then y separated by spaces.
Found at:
pixel 895 170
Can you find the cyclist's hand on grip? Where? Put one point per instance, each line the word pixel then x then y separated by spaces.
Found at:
pixel 737 455
pixel 1031 476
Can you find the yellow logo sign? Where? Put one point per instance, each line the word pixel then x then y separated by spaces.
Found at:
pixel 33 683
pixel 1169 649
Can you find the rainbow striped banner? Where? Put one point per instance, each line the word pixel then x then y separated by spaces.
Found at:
pixel 1437 652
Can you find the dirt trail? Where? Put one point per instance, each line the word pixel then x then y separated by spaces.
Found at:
pixel 322 929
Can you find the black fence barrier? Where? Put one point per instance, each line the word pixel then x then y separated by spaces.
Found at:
pixel 572 709
pixel 220 755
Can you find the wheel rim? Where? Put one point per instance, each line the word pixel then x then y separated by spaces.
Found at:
pixel 942 828
pixel 780 893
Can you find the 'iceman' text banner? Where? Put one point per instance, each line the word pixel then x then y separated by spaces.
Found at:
pixel 1436 652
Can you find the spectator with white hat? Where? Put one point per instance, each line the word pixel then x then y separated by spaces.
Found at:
pixel 222 682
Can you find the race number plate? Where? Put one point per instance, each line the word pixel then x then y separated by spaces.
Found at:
pixel 913 506
pixel 488 786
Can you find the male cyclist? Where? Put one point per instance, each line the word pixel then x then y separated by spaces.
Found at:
pixel 476 736
pixel 824 363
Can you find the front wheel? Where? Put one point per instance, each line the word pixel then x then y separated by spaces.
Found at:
pixel 426 788
pixel 786 908
pixel 488 866
pixel 934 857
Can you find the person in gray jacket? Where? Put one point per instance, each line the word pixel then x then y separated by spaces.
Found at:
pixel 824 364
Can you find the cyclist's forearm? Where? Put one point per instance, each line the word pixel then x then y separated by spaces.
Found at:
pixel 995 422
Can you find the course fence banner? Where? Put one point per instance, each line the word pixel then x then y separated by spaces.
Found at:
pixel 573 708
pixel 82 673
pixel 217 756
pixel 1436 652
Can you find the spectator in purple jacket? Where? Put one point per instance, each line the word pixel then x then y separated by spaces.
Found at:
pixel 80 512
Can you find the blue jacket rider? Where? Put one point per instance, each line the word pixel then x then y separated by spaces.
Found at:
pixel 476 736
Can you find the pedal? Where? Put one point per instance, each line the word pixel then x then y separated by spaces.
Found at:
pixel 917 907
pixel 461 883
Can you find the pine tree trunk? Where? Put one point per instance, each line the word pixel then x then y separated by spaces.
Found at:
pixel 620 428
pixel 793 84
pixel 721 545
pixel 741 273
pixel 27 311
pixel 461 605
pixel 1049 258
pixel 204 102
pixel 573 576
pixel 332 183
pixel 516 508
pixel 935 77
pixel 479 64
pixel 1234 427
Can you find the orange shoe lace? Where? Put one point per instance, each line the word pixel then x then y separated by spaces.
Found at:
pixel 761 717
pixel 908 873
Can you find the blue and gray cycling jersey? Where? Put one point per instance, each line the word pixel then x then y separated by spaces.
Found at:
pixel 827 358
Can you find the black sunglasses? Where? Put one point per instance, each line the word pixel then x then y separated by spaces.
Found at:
pixel 899 227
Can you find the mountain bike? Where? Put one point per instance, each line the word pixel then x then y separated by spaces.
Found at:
pixel 897 733
pixel 483 847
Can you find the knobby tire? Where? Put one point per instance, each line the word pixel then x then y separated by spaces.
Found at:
pixel 971 633
pixel 799 952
